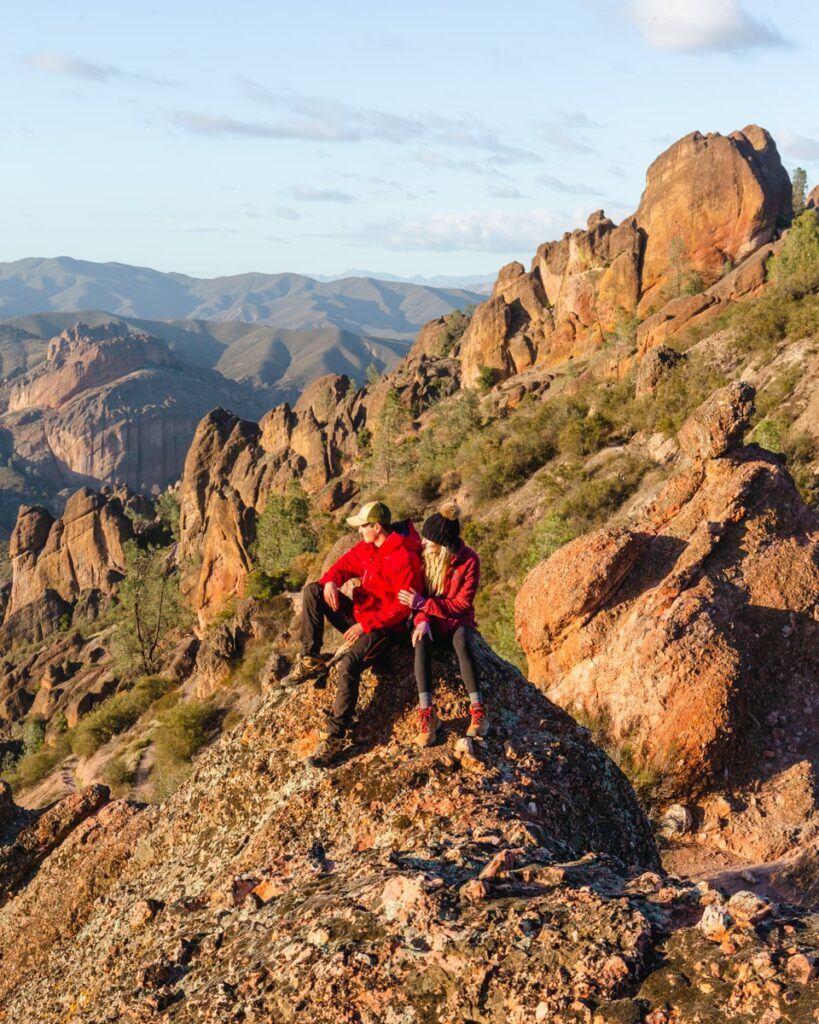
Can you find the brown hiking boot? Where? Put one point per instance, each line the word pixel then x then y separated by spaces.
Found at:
pixel 479 725
pixel 327 752
pixel 428 724
pixel 306 666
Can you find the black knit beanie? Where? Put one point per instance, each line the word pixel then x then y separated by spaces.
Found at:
pixel 443 527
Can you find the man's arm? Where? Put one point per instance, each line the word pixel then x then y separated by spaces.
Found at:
pixel 392 613
pixel 348 567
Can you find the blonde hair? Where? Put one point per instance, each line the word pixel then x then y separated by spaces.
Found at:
pixel 437 559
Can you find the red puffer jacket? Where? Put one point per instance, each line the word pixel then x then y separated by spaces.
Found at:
pixel 383 571
pixel 456 606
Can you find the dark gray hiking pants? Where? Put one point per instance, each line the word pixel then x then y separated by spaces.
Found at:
pixel 363 652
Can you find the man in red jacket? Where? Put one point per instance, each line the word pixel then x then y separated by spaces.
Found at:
pixel 386 562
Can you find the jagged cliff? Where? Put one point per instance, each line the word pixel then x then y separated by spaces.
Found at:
pixel 710 201
pixel 111 407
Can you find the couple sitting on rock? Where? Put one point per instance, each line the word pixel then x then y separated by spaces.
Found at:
pixel 392 564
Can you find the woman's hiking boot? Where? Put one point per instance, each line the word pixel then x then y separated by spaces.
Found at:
pixel 327 752
pixel 479 724
pixel 428 724
pixel 305 667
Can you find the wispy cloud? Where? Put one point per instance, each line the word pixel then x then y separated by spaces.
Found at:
pixel 504 192
pixel 569 187
pixel 307 194
pixel 567 130
pixel 219 125
pixel 322 119
pixel 495 231
pixel 436 159
pixel 54 63
pixel 287 213
pixel 703 26
pixel 799 147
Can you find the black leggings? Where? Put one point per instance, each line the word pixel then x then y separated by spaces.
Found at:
pixel 461 641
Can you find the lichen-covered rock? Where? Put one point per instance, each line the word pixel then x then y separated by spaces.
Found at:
pixel 715 426
pixel 505 883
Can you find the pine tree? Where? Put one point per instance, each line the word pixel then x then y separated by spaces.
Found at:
pixel 799 185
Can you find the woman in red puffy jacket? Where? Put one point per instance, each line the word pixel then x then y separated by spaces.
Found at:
pixel 446 615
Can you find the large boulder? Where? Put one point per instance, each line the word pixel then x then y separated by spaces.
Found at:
pixel 691 637
pixel 713 198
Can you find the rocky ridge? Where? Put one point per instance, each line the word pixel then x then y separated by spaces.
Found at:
pixel 711 202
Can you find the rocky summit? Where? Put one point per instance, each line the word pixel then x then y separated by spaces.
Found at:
pixel 508 880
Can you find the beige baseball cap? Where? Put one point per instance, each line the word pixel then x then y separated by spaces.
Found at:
pixel 372 512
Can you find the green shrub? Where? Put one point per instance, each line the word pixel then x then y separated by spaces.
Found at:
pixel 116 714
pixel 33 735
pixel 33 767
pixel 167 509
pixel 264 586
pixel 283 532
pixel 117 773
pixel 150 609
pixel 184 729
pixel 769 433
pixel 488 377
pixel 455 324
pixel 796 267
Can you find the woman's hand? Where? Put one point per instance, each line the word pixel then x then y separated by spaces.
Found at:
pixel 421 630
pixel 411 598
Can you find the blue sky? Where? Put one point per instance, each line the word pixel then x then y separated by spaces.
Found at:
pixel 432 138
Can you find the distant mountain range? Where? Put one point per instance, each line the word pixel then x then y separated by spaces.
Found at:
pixel 480 283
pixel 361 305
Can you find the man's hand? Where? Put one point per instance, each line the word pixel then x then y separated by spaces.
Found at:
pixel 354 632
pixel 420 631
pixel 331 596
pixel 411 598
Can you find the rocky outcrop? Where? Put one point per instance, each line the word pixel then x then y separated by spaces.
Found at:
pixel 233 466
pixel 691 637
pixel 67 675
pixel 507 880
pixel 710 199
pixel 80 551
pixel 108 406
pixel 656 364
pixel 710 203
